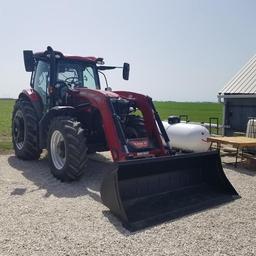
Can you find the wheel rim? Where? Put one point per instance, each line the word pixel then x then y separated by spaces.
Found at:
pixel 19 130
pixel 58 150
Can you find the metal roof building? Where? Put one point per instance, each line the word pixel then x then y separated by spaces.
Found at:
pixel 239 98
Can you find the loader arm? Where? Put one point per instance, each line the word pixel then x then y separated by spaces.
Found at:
pixel 150 116
pixel 117 142
pixel 101 101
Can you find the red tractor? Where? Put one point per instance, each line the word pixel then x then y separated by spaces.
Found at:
pixel 66 112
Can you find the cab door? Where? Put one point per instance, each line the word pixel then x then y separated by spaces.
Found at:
pixel 41 81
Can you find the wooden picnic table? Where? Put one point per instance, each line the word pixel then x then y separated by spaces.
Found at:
pixel 238 142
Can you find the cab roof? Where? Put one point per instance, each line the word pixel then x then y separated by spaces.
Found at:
pixel 38 55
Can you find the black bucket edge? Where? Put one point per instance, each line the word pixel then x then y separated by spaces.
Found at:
pixel 169 217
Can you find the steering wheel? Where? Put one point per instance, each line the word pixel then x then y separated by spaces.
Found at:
pixel 72 81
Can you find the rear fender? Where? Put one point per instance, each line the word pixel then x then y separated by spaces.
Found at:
pixel 46 120
pixel 32 96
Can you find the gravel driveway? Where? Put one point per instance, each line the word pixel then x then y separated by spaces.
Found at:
pixel 39 215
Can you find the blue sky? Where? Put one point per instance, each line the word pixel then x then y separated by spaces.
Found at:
pixel 179 50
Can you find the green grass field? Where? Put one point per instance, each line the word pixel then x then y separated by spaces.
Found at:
pixel 6 107
pixel 198 112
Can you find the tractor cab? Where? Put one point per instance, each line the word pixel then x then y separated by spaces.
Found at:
pixel 55 75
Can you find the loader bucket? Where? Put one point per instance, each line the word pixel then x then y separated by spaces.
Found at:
pixel 145 192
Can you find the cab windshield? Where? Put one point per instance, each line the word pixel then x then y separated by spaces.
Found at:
pixel 77 74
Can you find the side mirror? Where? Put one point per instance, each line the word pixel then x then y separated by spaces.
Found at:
pixel 126 71
pixel 29 60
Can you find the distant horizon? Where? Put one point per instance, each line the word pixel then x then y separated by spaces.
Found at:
pixel 2 98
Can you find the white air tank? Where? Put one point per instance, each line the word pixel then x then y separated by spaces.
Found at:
pixel 187 137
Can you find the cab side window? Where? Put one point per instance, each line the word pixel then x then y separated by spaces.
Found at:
pixel 41 79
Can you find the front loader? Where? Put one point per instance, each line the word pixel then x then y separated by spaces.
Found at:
pixel 66 112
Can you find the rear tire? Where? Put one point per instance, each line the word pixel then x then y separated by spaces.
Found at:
pixel 135 127
pixel 25 131
pixel 67 149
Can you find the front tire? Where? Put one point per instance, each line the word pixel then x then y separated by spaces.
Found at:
pixel 25 131
pixel 67 149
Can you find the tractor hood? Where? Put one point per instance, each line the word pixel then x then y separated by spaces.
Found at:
pixel 84 92
pixel 96 98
